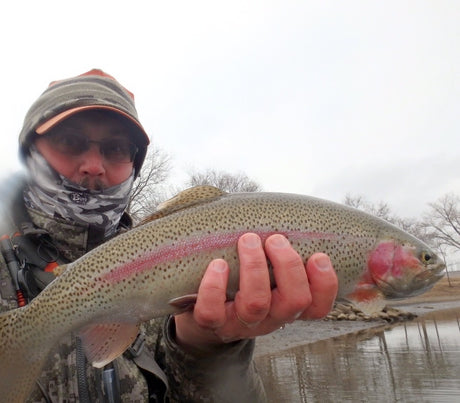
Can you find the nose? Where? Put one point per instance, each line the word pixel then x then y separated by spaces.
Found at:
pixel 92 162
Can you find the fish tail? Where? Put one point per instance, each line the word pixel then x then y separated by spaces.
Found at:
pixel 21 358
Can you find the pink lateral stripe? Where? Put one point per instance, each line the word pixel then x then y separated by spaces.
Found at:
pixel 191 246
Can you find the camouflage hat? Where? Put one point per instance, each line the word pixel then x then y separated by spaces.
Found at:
pixel 94 89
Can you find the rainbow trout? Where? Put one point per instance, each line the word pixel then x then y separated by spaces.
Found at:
pixel 155 269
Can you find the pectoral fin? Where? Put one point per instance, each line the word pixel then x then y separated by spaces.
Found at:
pixel 184 303
pixel 367 298
pixel 102 343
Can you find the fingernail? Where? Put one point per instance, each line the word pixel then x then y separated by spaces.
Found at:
pixel 251 240
pixel 279 241
pixel 297 315
pixel 323 262
pixel 218 265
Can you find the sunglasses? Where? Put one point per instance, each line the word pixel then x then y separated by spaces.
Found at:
pixel 114 149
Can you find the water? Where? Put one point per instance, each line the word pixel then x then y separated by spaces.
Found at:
pixel 417 361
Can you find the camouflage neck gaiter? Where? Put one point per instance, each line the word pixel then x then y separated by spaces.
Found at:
pixel 56 196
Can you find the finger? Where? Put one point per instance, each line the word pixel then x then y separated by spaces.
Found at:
pixel 252 301
pixel 323 286
pixel 209 309
pixel 292 293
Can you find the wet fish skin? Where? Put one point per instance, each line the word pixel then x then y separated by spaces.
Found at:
pixel 133 278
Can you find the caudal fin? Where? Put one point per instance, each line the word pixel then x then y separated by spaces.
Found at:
pixel 21 357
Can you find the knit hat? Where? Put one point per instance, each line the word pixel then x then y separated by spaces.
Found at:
pixel 94 89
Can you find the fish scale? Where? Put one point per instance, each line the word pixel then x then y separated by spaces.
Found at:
pixel 153 269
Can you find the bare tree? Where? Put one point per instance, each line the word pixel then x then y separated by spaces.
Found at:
pixel 147 192
pixel 442 221
pixel 381 210
pixel 231 183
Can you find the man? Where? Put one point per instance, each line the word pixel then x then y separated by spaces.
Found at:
pixel 83 147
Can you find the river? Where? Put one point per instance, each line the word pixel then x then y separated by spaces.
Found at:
pixel 416 361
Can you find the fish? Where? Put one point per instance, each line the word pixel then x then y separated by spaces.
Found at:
pixel 155 269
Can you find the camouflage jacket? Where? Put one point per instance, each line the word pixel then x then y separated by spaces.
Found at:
pixel 224 373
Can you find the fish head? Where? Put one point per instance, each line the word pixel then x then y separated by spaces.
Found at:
pixel 404 269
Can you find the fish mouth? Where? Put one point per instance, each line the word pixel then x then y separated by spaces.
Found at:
pixel 414 286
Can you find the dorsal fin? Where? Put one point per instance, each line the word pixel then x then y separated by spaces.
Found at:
pixel 186 198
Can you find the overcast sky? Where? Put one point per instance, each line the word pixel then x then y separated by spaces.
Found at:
pixel 314 97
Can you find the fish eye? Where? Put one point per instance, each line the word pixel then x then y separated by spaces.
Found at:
pixel 426 257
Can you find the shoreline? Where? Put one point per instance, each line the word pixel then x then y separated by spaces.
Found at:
pixel 444 296
pixel 305 332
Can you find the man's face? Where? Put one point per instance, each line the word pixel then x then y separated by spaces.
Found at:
pixel 89 148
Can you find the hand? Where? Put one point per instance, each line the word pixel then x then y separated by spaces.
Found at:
pixel 302 292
